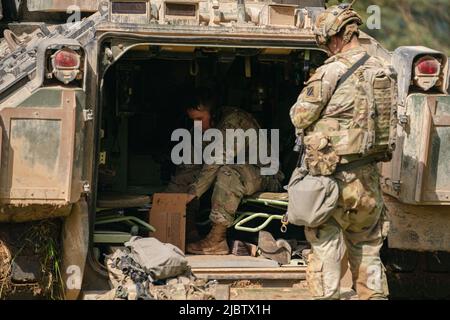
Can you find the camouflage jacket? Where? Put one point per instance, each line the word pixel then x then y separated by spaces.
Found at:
pixel 230 118
pixel 317 108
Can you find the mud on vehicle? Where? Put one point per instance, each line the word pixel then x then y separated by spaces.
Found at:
pixel 87 110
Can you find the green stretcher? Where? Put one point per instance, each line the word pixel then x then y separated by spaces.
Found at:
pixel 113 237
pixel 245 217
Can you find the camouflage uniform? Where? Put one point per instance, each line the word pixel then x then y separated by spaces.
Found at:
pixel 184 176
pixel 359 219
pixel 231 182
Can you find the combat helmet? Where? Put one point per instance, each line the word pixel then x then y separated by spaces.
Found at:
pixel 332 20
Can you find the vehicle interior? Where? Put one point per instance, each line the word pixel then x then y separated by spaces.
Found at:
pixel 142 104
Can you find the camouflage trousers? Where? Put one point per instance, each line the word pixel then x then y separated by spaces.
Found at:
pixel 358 225
pixel 232 183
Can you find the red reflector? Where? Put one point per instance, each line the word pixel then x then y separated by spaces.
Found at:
pixel 428 65
pixel 67 59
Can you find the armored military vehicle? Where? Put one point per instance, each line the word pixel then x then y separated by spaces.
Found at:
pixel 89 97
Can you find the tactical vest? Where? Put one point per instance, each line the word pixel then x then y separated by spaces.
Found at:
pixel 372 130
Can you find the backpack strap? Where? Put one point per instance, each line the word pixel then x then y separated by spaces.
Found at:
pixel 352 70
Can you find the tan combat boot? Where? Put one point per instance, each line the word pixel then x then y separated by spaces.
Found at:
pixel 215 242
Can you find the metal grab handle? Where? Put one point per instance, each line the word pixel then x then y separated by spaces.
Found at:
pixel 241 220
pixel 120 219
pixel 11 39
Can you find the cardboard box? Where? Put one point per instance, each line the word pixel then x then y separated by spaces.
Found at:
pixel 168 216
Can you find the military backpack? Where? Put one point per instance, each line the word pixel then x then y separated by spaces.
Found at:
pixel 371 136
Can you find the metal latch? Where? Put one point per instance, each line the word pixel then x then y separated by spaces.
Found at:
pixel 88 114
pixel 86 187
pixel 403 119
pixel 396 185
pixel 102 159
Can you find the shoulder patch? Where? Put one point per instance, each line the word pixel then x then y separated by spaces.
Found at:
pixel 310 91
pixel 313 90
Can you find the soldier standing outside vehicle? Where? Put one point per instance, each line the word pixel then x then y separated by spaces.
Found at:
pixel 231 181
pixel 329 104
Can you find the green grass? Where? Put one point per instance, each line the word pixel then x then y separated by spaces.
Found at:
pixel 409 22
pixel 40 239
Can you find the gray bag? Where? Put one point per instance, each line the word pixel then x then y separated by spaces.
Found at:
pixel 161 260
pixel 312 199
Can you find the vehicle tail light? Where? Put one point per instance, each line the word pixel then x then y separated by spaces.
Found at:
pixel 66 65
pixel 426 72
pixel 67 59
pixel 428 65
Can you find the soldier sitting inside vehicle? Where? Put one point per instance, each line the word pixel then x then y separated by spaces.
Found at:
pixel 231 181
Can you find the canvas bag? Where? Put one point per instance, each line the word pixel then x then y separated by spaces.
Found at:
pixel 161 260
pixel 312 199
